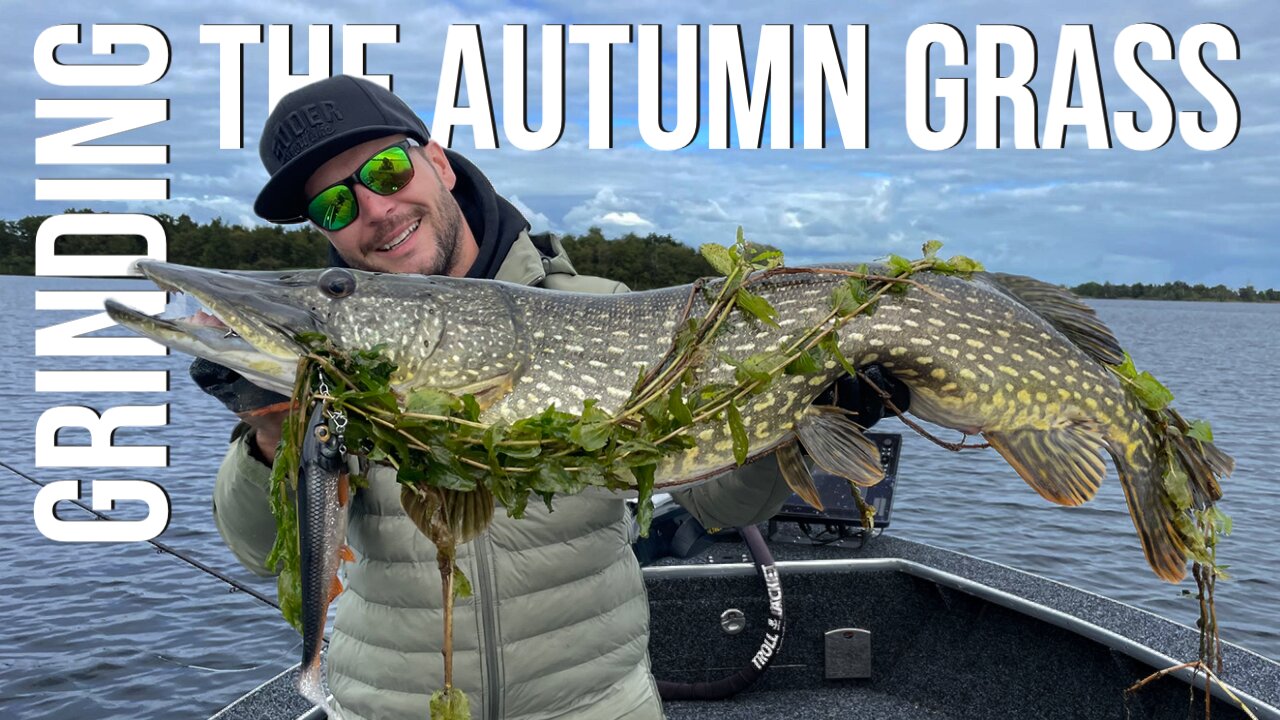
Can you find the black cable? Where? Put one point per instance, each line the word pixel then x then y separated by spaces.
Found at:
pixel 160 546
pixel 733 684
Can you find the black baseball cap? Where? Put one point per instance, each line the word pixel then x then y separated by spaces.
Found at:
pixel 316 122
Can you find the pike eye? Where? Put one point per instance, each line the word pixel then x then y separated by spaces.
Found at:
pixel 337 282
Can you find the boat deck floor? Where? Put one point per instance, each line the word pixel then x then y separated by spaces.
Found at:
pixel 808 704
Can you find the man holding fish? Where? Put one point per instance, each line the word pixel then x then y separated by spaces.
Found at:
pixel 558 623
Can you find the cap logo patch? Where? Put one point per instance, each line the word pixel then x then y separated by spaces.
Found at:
pixel 301 128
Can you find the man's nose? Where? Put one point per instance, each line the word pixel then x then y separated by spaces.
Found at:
pixel 373 206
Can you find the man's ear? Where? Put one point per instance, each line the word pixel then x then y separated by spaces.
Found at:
pixel 434 153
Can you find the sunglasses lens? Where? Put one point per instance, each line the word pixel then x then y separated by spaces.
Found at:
pixel 388 171
pixel 333 209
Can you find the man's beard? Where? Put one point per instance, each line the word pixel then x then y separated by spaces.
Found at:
pixel 446 228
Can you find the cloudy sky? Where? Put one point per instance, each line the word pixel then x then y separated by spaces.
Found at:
pixel 1065 215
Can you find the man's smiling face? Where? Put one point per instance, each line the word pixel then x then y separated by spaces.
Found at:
pixel 418 229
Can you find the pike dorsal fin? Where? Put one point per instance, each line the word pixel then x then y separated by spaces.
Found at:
pixel 838 446
pixel 1064 311
pixel 796 473
pixel 1063 463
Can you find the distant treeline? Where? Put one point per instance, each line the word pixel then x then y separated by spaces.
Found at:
pixel 211 245
pixel 1176 291
pixel 642 262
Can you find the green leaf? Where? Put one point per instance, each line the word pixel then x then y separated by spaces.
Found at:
pixel 644 489
pixel 289 595
pixel 965 266
pixel 758 368
pixel 767 260
pixel 1221 521
pixel 1193 539
pixel 1200 430
pixel 756 306
pixel 849 296
pixel 1126 369
pixel 519 452
pixel 686 336
pixel 1176 487
pixel 677 407
pixel 831 344
pixel 639 451
pixel 415 472
pixel 899 266
pixel 806 363
pixel 719 258
pixel 656 416
pixel 470 408
pixel 931 249
pixel 553 478
pixel 493 435
pixel 592 431
pixel 450 704
pixel 1150 392
pixel 461 585
pixel 739 433
pixel 429 401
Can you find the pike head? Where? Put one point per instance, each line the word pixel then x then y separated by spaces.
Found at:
pixel 441 332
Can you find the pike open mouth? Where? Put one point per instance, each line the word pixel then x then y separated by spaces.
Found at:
pixel 239 325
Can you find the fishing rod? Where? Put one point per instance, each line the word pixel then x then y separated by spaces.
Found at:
pixel 162 547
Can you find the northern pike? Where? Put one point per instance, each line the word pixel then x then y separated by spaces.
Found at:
pixel 323 502
pixel 1021 362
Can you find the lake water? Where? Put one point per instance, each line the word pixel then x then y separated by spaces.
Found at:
pixel 120 631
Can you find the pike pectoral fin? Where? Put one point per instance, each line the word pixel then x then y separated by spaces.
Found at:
pixel 335 588
pixel 1063 463
pixel 490 390
pixel 837 445
pixel 796 473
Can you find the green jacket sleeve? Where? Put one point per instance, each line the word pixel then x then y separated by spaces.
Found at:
pixel 744 496
pixel 241 506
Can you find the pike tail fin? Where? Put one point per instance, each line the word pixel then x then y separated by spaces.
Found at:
pixel 1171 476
pixel 1167 475
pixel 1154 518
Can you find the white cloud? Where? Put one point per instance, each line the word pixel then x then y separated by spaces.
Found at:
pixel 537 221
pixel 626 219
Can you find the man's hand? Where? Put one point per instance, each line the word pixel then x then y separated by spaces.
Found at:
pixel 267 424
pixel 262 410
